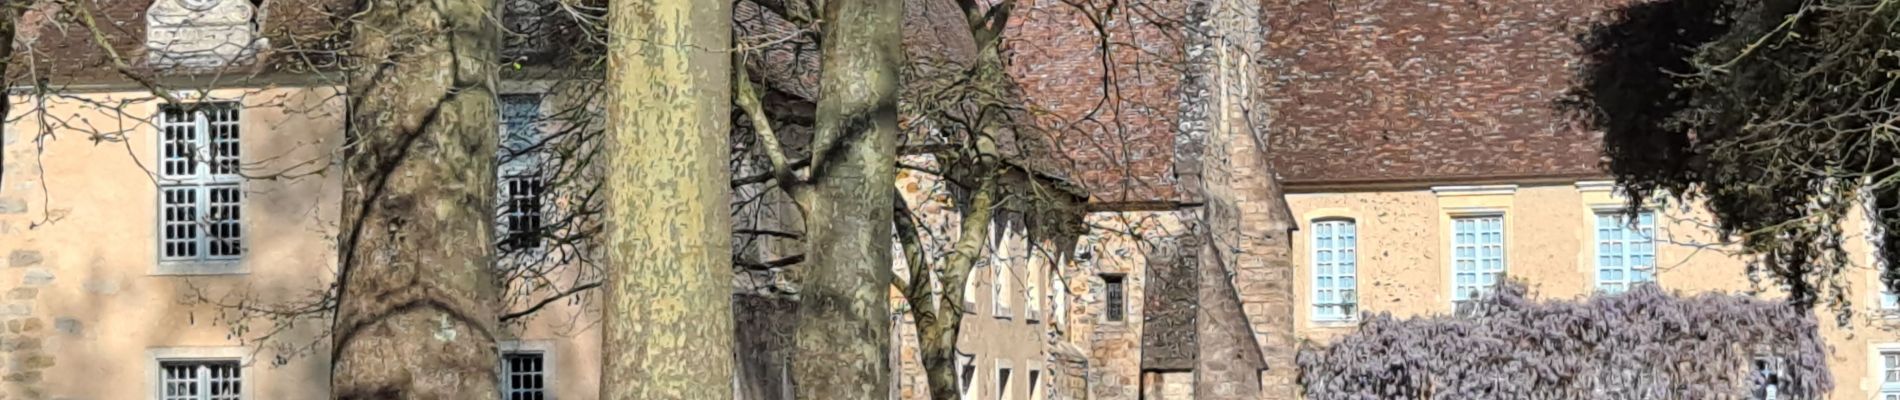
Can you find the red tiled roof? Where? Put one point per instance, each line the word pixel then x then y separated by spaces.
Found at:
pixel 1383 91
pixel 64 51
pixel 1112 125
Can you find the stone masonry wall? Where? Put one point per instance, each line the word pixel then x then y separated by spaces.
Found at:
pixel 23 338
pixel 1245 208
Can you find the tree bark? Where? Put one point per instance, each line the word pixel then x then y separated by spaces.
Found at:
pixel 10 12
pixel 939 325
pixel 417 306
pixel 668 330
pixel 843 331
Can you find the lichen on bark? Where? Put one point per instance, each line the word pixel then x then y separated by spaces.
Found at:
pixel 417 309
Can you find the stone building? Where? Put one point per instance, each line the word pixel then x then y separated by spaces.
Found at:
pixel 1181 287
pixel 1246 175
pixel 1423 158
pixel 243 208
pixel 146 242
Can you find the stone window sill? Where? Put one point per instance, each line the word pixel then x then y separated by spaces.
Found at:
pixel 1336 323
pixel 200 268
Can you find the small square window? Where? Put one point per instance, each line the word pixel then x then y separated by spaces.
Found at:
pixel 201 380
pixel 1768 377
pixel 524 376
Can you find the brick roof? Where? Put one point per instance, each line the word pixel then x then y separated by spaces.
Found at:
pixel 1388 91
pixel 1113 133
pixel 64 51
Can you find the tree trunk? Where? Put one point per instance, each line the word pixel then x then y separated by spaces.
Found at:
pixel 844 305
pixel 417 303
pixel 937 331
pixel 668 330
pixel 10 12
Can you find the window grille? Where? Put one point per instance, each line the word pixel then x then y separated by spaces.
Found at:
pixel 1114 306
pixel 522 187
pixel 525 376
pixel 1477 255
pixel 1626 250
pixel 1335 265
pixel 200 199
pixel 201 380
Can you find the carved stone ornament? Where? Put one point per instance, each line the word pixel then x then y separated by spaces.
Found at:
pixel 201 34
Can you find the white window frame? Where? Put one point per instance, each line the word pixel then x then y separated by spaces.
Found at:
pixel 1346 294
pixel 1878 370
pixel 967 378
pixel 550 378
pixel 156 358
pixel 521 164
pixel 1033 272
pixel 1002 260
pixel 1478 245
pixel 1035 384
pixel 1624 226
pixel 1886 304
pixel 1004 376
pixel 200 184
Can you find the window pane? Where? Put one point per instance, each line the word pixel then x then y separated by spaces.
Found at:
pixel 1333 269
pixel 180 225
pixel 224 221
pixel 201 380
pixel 222 121
pixel 1625 250
pixel 526 377
pixel 1479 260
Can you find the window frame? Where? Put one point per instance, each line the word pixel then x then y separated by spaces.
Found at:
pixel 1313 250
pixel 1768 387
pixel 1035 384
pixel 201 184
pixel 1882 386
pixel 156 358
pixel 504 168
pixel 1004 376
pixel 1033 287
pixel 1886 304
pixel 1002 259
pixel 1620 214
pixel 967 376
pixel 1113 283
pixel 550 377
pixel 1458 297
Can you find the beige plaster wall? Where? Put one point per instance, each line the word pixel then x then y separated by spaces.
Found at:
pixel 78 228
pixel 995 337
pixel 1550 233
